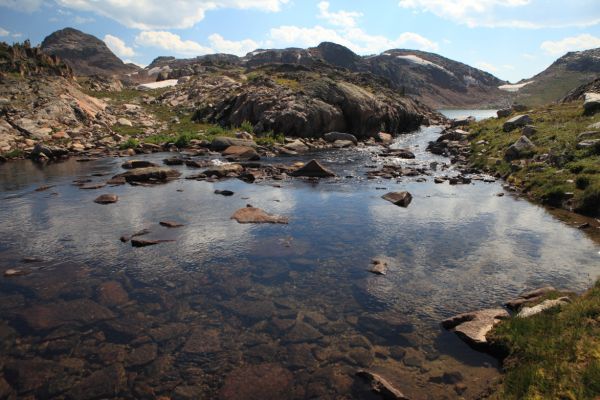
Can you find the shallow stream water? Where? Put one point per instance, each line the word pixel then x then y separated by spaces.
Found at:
pixel 238 311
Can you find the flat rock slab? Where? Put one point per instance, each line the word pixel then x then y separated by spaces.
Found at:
pixel 472 327
pixel 252 215
pixel 517 121
pixel 258 382
pixel 381 386
pixel 543 306
pixel 312 169
pixel 82 311
pixel 106 199
pixel 402 199
pixel 149 175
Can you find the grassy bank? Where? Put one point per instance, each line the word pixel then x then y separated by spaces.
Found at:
pixel 555 354
pixel 557 173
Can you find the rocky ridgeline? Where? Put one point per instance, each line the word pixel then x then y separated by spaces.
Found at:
pixel 24 60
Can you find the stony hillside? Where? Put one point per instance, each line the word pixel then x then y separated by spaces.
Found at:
pixel 86 54
pixel 430 78
pixel 568 72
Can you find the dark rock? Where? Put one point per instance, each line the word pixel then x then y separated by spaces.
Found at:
pixel 335 136
pixel 171 224
pixel 146 243
pixel 312 170
pixel 132 164
pixel 41 151
pixel 399 153
pixel 149 175
pixel 203 341
pixel 529 130
pixel 505 112
pixel 589 144
pixel 448 378
pixel 252 215
pixel 529 297
pixel 461 122
pixel 302 332
pixel 224 192
pixel 173 161
pixel 591 104
pixel 30 375
pixel 106 199
pixel 402 199
pixel 126 238
pixel 112 294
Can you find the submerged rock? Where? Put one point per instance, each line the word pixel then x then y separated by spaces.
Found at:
pixel 402 199
pixel 312 169
pixel 252 215
pixel 381 386
pixel 171 224
pixel 378 266
pixel 81 311
pixel 106 199
pixel 225 193
pixel 104 383
pixel 257 382
pixel 146 243
pixel 472 327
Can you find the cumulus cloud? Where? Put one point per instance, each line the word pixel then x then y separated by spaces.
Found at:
pixel 574 43
pixel 22 5
pixel 340 18
pixel 239 48
pixel 3 32
pixel 118 46
pixel 355 39
pixel 172 43
pixel 160 14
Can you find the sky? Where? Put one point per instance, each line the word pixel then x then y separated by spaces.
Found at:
pixel 512 39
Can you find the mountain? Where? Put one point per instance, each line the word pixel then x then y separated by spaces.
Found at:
pixel 435 80
pixel 86 54
pixel 565 74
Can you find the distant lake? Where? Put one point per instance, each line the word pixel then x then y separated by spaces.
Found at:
pixel 478 114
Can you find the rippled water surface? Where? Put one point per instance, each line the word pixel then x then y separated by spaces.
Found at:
pixel 237 311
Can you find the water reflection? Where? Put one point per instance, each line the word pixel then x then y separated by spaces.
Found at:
pixel 226 301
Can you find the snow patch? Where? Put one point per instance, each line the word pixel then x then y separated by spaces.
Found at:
pixel 421 61
pixel 158 70
pixel 514 87
pixel 159 85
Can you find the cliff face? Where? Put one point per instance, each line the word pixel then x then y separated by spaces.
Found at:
pixel 86 54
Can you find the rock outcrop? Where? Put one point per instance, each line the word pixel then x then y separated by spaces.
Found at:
pixel 473 327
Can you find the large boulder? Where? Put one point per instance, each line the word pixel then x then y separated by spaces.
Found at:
pixel 522 148
pixel 43 151
pixel 133 164
pixel 591 104
pixel 473 327
pixel 503 113
pixel 335 136
pixel 402 199
pixel 312 170
pixel 244 153
pixel 222 171
pixel 221 143
pixel 464 121
pixel 517 121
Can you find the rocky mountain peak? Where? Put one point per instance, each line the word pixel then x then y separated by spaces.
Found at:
pixel 85 53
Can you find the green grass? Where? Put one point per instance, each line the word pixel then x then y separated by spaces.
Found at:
pixel 551 179
pixel 555 354
pixel 13 154
pixel 130 143
pixel 269 138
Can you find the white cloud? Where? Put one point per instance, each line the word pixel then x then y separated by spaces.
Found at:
pixel 529 56
pixel 160 14
pixel 340 18
pixel 118 46
pixel 79 20
pixel 172 43
pixel 574 43
pixel 22 5
pixel 354 38
pixel 4 32
pixel 501 13
pixel 239 48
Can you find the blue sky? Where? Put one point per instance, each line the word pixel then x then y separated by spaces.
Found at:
pixel 513 39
